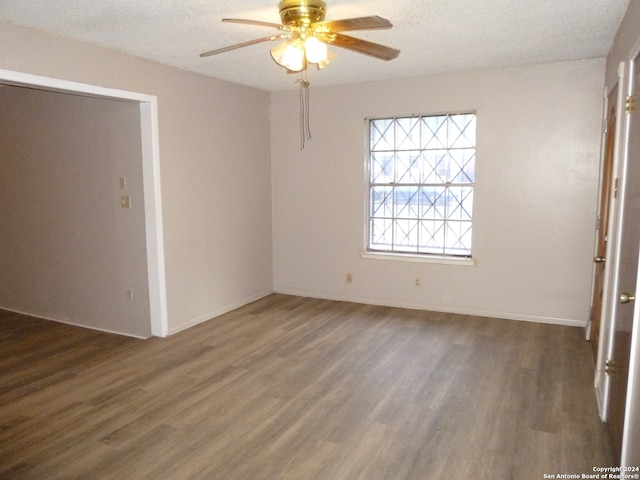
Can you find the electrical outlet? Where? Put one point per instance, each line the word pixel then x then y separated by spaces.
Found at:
pixel 418 282
pixel 349 278
pixel 129 292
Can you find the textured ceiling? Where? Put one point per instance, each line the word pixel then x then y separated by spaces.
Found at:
pixel 434 36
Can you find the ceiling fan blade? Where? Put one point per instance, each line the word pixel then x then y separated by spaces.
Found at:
pixel 245 44
pixel 373 22
pixel 254 22
pixel 360 46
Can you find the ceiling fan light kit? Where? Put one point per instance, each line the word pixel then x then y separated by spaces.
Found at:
pixel 306 36
pixel 303 47
pixel 296 53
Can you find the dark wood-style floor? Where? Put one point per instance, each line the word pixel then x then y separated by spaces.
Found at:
pixel 298 388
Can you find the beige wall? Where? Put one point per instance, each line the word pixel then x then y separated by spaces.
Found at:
pixel 534 214
pixel 214 164
pixel 538 150
pixel 69 252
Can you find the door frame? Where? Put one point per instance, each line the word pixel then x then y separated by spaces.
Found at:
pixel 150 172
pixel 631 426
pixel 606 185
pixel 609 305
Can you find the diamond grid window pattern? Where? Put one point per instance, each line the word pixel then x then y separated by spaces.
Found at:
pixel 421 183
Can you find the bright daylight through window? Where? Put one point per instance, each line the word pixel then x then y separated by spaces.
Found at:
pixel 421 183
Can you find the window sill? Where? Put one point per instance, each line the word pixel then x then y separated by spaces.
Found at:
pixel 407 257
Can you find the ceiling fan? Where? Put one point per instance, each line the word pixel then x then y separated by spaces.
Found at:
pixel 306 35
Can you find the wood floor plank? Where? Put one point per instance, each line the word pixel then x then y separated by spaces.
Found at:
pixel 299 388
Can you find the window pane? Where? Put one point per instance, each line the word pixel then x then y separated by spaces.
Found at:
pixel 462 131
pixel 458 238
pixel 381 233
pixel 459 203
pixel 462 165
pixel 434 132
pixel 381 134
pixel 406 202
pixel 408 167
pixel 381 202
pixel 408 133
pixel 432 203
pixel 381 167
pixel 406 235
pixel 432 236
pixel 435 166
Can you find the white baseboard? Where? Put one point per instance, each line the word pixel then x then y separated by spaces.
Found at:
pixel 216 313
pixel 69 322
pixel 227 308
pixel 439 308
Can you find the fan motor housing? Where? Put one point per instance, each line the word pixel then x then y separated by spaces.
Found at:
pixel 302 12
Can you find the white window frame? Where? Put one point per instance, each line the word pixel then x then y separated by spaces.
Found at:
pixel 411 256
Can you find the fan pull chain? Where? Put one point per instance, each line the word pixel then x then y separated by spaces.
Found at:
pixel 305 130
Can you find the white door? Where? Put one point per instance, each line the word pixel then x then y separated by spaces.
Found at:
pixel 622 364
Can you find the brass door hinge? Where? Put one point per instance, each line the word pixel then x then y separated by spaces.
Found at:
pixel 630 105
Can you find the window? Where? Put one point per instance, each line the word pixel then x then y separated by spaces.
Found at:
pixel 421 183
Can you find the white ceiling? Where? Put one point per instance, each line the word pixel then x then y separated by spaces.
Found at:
pixel 434 36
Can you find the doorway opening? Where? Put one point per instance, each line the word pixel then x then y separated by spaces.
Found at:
pixel 148 135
